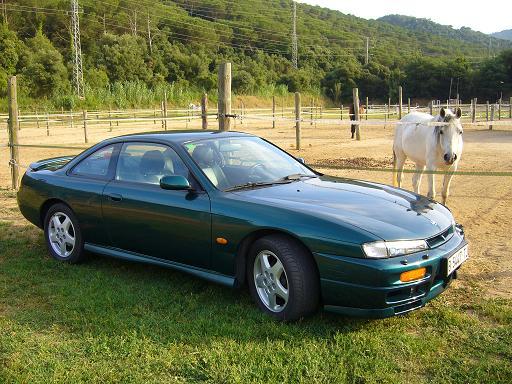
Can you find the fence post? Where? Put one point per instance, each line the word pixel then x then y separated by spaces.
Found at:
pixel 165 109
pixel 408 105
pixel 71 117
pixel 431 106
pixel 12 126
pixel 493 107
pixel 400 94
pixel 47 124
pixel 298 110
pixel 366 109
pixel 85 127
pixel 386 107
pixel 241 113
pixel 473 110
pixel 499 110
pixel 154 115
pixel 312 109
pixel 204 110
pixel 341 112
pixel 355 96
pixel 162 112
pixel 273 112
pixel 224 104
pixel 389 107
pixel 510 108
pixel 110 119
pixel 37 119
pixel 487 111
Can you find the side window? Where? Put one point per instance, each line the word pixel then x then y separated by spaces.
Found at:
pixel 95 165
pixel 148 163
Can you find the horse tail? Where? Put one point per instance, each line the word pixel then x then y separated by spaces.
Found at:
pixel 395 177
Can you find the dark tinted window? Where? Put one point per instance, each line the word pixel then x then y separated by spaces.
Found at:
pixel 95 165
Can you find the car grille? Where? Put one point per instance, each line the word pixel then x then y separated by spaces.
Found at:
pixel 441 238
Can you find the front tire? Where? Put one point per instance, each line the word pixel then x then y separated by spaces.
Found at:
pixel 63 235
pixel 283 278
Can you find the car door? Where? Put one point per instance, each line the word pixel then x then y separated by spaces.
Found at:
pixel 83 191
pixel 141 217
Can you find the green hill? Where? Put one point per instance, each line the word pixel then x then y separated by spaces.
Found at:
pixel 132 50
pixel 505 35
pixel 464 34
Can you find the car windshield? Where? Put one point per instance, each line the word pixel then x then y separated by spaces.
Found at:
pixel 233 163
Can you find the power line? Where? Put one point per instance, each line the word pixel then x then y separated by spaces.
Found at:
pixel 230 23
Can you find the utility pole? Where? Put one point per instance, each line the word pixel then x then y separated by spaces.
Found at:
pixel 295 44
pixel 78 73
pixel 150 40
pixel 367 58
pixel 451 85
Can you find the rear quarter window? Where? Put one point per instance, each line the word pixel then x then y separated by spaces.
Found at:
pixel 96 165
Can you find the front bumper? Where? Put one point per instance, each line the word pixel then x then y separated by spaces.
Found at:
pixel 372 288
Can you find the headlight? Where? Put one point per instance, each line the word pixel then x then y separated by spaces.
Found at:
pixel 383 249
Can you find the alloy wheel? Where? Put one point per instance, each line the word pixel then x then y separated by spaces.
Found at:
pixel 61 234
pixel 271 281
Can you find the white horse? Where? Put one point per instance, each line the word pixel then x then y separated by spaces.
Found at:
pixel 430 146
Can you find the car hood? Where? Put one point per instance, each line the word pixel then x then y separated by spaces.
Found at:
pixel 386 212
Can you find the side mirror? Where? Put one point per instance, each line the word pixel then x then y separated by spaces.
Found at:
pixel 175 183
pixel 302 160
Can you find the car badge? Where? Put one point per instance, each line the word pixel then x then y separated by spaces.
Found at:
pixel 433 223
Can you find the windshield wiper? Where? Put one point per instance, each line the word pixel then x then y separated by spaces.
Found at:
pixel 257 184
pixel 298 176
pixel 283 180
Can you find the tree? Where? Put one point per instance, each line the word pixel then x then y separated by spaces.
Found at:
pixel 11 48
pixel 43 70
pixel 124 58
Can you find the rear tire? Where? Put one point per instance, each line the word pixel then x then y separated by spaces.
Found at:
pixel 283 278
pixel 63 235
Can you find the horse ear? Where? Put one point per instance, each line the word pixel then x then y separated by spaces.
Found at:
pixel 442 113
pixel 459 113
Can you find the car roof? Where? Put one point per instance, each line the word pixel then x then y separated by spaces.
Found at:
pixel 180 137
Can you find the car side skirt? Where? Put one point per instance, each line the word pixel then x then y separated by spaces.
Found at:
pixel 131 256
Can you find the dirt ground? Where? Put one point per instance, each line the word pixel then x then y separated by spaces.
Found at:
pixel 481 203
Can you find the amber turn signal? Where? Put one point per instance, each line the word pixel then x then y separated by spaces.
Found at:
pixel 221 241
pixel 415 274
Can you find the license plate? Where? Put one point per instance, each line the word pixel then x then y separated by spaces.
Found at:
pixel 455 260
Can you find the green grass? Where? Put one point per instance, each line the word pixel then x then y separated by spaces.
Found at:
pixel 112 321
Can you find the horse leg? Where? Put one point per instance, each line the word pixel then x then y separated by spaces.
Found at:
pixel 398 167
pixel 431 182
pixel 446 184
pixel 416 179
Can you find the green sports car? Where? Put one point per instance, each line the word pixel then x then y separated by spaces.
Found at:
pixel 235 209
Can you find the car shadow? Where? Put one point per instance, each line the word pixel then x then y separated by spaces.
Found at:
pixel 104 296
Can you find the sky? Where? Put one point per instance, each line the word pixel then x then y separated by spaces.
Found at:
pixel 485 17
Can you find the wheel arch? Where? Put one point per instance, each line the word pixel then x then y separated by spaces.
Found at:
pixel 46 206
pixel 245 246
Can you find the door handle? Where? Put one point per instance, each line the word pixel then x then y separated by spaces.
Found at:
pixel 115 197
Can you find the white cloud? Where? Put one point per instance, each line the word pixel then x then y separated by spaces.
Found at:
pixel 485 17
